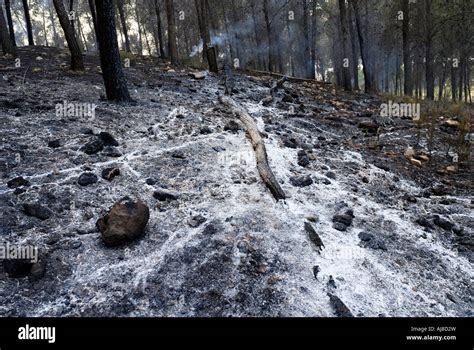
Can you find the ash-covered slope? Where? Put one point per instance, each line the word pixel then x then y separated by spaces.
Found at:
pixel 397 239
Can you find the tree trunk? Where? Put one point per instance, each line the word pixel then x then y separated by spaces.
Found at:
pixel 172 46
pixel 28 23
pixel 10 22
pixel 123 22
pixel 271 40
pixel 355 57
pixel 210 49
pixel 260 62
pixel 314 31
pixel 7 44
pixel 454 92
pixel 160 30
pixel 114 79
pixel 139 25
pixel 407 69
pixel 94 20
pixel 363 52
pixel 346 74
pixel 76 55
pixel 429 52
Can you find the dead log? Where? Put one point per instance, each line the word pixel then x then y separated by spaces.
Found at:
pixel 258 145
pixel 272 74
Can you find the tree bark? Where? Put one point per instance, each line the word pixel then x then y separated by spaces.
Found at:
pixel 29 28
pixel 407 69
pixel 160 30
pixel 355 57
pixel 363 52
pixel 114 79
pixel 258 145
pixel 94 19
pixel 123 22
pixel 429 51
pixel 346 74
pixel 7 44
pixel 172 46
pixel 10 22
pixel 76 55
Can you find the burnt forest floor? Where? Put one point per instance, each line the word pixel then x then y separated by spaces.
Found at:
pixel 398 239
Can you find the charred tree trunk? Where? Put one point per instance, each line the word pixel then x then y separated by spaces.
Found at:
pixel 172 45
pixel 429 51
pixel 123 22
pixel 407 70
pixel 454 92
pixel 272 52
pixel 7 44
pixel 346 74
pixel 114 79
pixel 363 52
pixel 314 31
pixel 258 145
pixel 159 30
pixel 94 19
pixel 10 22
pixel 355 56
pixel 29 28
pixel 76 55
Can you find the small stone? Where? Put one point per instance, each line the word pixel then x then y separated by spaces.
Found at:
pixel 163 195
pixel 340 309
pixel 108 139
pixel 17 182
pixel 443 223
pixel 110 173
pixel 54 144
pixel 87 179
pixel 301 181
pixel 111 151
pixel 205 130
pixel 303 159
pixel 331 283
pixel 197 221
pixel 331 175
pixel 36 210
pixel 316 270
pixel 339 226
pixel 93 147
pixel 125 222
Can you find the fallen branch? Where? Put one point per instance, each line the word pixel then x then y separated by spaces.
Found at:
pixel 278 75
pixel 258 145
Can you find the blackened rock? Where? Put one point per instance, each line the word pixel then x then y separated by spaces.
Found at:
pixel 303 159
pixel 340 309
pixel 36 210
pixel 232 126
pixel 339 226
pixel 111 151
pixel 17 268
pixel 163 196
pixel 443 223
pixel 287 98
pixel 126 221
pixel 150 181
pixel 18 182
pixel 313 236
pixel 87 179
pixel 93 147
pixel 368 240
pixel 425 222
pixel 331 283
pixel 108 139
pixel 197 220
pixel 345 219
pixel 316 270
pixel 211 229
pixel 301 181
pixel 54 144
pixel 205 130
pixel 110 173
pixel 331 175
